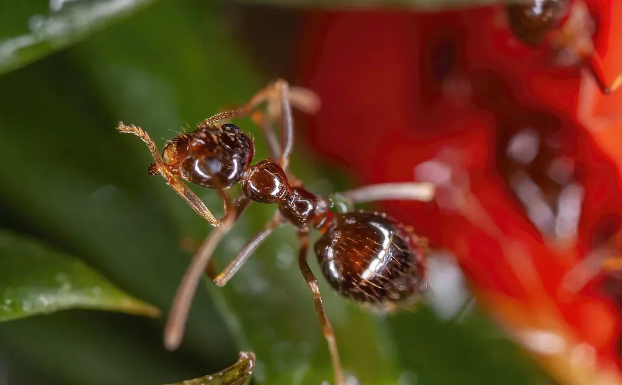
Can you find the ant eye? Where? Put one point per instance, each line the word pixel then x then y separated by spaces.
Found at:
pixel 231 127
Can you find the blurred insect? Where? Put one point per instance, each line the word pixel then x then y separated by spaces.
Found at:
pixel 365 256
pixel 531 21
pixel 589 30
pixel 578 31
pixel 237 374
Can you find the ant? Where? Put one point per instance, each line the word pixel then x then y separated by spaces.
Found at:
pixel 366 256
pixel 567 28
pixel 531 21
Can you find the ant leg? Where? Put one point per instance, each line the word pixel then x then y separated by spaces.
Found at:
pixel 248 249
pixel 264 122
pixel 287 124
pixel 391 191
pixel 178 316
pixel 279 91
pixel 327 329
pixel 301 98
pixel 159 167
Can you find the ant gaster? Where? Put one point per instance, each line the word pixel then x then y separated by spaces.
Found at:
pixel 368 257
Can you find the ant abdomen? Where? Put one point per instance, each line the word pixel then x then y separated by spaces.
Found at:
pixel 372 259
pixel 532 22
pixel 211 156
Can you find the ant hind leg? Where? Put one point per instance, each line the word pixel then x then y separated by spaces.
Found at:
pixel 327 329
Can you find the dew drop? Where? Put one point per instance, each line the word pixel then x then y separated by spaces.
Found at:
pixel 44 301
pixel 61 278
pixel 407 378
pixel 57 5
pixel 26 306
pixel 36 22
pixel 284 257
pixel 352 380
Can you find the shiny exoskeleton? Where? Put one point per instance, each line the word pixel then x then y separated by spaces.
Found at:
pixel 213 156
pixel 531 22
pixel 367 257
pixel 372 258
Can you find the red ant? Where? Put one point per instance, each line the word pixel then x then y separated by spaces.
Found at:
pixel 368 257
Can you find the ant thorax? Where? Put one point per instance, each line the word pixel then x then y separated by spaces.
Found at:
pixel 213 156
pixel 266 182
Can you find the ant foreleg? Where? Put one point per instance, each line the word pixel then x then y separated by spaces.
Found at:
pixel 159 167
pixel 279 98
pixel 287 124
pixel 327 329
pixel 264 122
pixel 176 323
pixel 301 98
pixel 248 249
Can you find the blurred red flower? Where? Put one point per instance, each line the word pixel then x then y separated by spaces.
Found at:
pixel 523 148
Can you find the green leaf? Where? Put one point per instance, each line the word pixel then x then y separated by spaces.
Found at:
pixel 237 374
pixel 29 31
pixel 36 280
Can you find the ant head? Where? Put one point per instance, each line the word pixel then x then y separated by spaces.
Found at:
pixel 213 156
pixel 530 23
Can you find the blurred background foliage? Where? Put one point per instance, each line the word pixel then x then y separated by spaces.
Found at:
pixel 73 188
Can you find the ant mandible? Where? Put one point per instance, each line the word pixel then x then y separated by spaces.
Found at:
pixel 368 257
